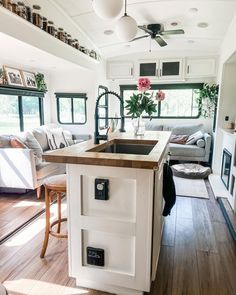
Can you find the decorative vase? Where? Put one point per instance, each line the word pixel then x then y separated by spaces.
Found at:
pixel 139 126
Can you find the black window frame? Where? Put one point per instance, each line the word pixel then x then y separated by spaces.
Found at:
pixel 72 96
pixel 105 107
pixel 21 92
pixel 157 87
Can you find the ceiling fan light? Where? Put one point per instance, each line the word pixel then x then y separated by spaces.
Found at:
pixel 126 28
pixel 108 9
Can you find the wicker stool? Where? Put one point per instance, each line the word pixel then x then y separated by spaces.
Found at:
pixel 55 186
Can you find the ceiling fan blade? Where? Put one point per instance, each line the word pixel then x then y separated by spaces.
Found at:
pixel 145 29
pixel 172 32
pixel 141 37
pixel 160 41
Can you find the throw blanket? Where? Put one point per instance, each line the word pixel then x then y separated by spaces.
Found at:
pixel 169 193
pixel 180 139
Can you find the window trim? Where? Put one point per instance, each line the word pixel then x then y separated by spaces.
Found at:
pixel 165 87
pixel 20 92
pixel 105 106
pixel 71 96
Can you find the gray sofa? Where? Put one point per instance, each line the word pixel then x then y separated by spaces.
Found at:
pixel 19 168
pixel 184 152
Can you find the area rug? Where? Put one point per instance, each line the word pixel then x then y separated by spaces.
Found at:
pixel 194 188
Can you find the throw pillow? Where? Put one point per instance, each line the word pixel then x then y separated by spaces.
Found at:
pixel 16 143
pixel 5 141
pixel 194 137
pixel 41 137
pixel 56 139
pixel 30 141
pixel 68 136
pixel 179 139
pixel 201 143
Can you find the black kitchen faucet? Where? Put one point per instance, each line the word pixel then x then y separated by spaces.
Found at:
pixel 98 136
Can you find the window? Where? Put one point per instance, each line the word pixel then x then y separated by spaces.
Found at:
pixel 103 108
pixel 31 112
pixel 71 108
pixel 20 109
pixel 181 100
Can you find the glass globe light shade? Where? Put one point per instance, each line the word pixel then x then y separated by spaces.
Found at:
pixel 126 28
pixel 107 9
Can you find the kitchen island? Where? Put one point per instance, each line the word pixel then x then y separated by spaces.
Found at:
pixel 115 203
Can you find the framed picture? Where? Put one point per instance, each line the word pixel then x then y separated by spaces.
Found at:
pixel 13 76
pixel 29 79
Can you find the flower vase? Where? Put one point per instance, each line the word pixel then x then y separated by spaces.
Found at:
pixel 139 126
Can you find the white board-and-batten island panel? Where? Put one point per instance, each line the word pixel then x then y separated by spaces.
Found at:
pixel 123 231
pixel 128 227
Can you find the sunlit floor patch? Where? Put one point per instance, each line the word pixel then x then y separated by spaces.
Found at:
pixel 33 229
pixel 27 204
pixel 34 287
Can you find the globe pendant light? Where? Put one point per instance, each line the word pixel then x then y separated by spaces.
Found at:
pixel 126 27
pixel 108 9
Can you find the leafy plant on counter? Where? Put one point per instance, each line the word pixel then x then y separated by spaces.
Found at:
pixel 41 84
pixel 208 99
pixel 141 102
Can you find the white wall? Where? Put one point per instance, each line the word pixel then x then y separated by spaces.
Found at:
pixel 227 96
pixel 78 81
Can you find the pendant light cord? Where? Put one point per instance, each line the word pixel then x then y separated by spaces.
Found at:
pixel 125 7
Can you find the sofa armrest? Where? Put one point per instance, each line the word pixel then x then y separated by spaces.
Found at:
pixel 17 168
pixel 81 137
pixel 207 138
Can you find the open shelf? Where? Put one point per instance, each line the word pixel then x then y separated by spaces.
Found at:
pixel 22 30
pixel 8 89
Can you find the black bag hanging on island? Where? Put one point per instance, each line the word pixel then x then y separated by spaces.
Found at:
pixel 169 193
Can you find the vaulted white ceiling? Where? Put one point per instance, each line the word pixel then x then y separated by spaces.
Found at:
pixel 217 13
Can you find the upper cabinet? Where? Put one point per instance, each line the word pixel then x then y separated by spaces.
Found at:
pixel 148 68
pixel 166 69
pixel 200 67
pixel 163 69
pixel 120 70
pixel 171 69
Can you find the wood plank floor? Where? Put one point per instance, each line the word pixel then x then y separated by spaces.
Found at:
pixel 198 257
pixel 16 209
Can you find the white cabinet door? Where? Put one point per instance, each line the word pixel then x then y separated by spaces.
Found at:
pixel 171 69
pixel 148 68
pixel 200 67
pixel 120 70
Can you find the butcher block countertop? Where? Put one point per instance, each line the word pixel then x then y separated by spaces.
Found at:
pixel 88 153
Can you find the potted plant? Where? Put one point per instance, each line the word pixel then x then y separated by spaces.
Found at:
pixel 140 103
pixel 41 84
pixel 2 77
pixel 208 98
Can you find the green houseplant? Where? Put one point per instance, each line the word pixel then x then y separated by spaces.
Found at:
pixel 41 84
pixel 207 100
pixel 2 76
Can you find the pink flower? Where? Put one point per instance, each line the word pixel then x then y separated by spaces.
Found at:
pixel 160 95
pixel 143 84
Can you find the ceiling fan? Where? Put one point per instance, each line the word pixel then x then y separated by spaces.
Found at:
pixel 156 31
